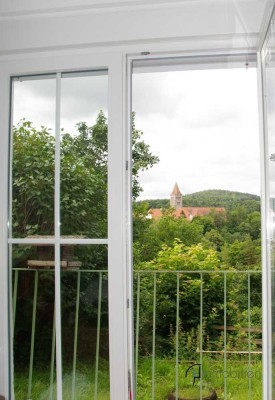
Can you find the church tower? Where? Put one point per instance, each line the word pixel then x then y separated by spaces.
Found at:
pixel 176 197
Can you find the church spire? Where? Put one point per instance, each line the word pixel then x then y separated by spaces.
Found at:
pixel 176 190
pixel 176 197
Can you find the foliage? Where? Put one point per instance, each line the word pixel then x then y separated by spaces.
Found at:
pixel 218 241
pixel 179 257
pixel 142 158
pixel 83 208
pixel 32 180
pixel 150 235
pixel 182 257
pixel 213 198
pixel 244 254
pixel 83 178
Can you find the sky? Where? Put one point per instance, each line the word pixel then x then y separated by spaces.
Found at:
pixel 202 124
pixel 82 97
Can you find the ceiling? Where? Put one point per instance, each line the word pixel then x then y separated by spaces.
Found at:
pixel 28 25
pixel 16 8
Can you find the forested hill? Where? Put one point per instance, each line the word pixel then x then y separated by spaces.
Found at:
pixel 213 198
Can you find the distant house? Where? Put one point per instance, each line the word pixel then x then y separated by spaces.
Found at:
pixel 179 211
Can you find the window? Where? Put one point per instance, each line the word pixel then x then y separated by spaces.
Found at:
pixel 197 242
pixel 68 282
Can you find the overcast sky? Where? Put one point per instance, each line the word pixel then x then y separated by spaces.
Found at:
pixel 203 125
pixel 81 100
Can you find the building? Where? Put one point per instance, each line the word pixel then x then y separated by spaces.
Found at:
pixel 183 212
pixel 176 197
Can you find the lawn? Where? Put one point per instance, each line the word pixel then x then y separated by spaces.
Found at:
pixel 237 380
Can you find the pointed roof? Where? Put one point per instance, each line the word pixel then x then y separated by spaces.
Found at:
pixel 176 191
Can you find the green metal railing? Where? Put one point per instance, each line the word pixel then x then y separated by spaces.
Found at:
pixel 99 274
pixel 154 276
pixel 224 353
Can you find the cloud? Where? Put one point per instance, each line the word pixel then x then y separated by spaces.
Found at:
pixel 81 100
pixel 37 106
pixel 151 95
pixel 203 125
pixel 211 141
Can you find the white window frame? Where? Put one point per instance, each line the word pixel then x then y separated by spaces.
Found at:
pixel 73 61
pixel 268 384
pixel 207 60
pixel 120 230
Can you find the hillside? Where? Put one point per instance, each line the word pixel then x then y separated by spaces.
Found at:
pixel 213 198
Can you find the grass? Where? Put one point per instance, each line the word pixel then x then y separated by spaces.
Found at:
pixel 84 383
pixel 237 380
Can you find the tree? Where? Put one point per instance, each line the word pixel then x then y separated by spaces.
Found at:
pixel 83 179
pixel 149 235
pixel 142 158
pixel 179 257
pixel 83 206
pixel 243 255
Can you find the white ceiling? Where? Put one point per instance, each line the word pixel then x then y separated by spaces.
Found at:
pixel 15 8
pixel 29 25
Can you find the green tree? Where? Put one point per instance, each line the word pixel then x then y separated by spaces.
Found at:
pixel 245 254
pixel 83 178
pixel 168 228
pixel 179 257
pixel 213 239
pixel 32 180
pixel 83 204
pixel 150 235
pixel 142 158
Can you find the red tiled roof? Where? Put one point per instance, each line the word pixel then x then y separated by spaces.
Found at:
pixel 187 212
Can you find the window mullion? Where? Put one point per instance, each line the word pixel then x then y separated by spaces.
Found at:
pixel 57 240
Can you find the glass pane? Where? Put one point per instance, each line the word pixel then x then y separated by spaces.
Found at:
pixel 196 233
pixel 33 157
pixel 84 154
pixel 33 318
pixel 84 282
pixel 268 59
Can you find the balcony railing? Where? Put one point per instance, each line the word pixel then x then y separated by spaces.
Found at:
pixel 97 275
pixel 154 291
pixel 178 319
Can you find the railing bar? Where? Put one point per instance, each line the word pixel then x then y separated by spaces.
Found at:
pixel 52 356
pixel 177 336
pixel 231 352
pixel 249 337
pixel 148 271
pixel 225 337
pixel 201 332
pixel 15 287
pixel 137 328
pixel 33 334
pixel 98 333
pixel 154 337
pixel 183 271
pixel 94 271
pixel 53 241
pixel 76 333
